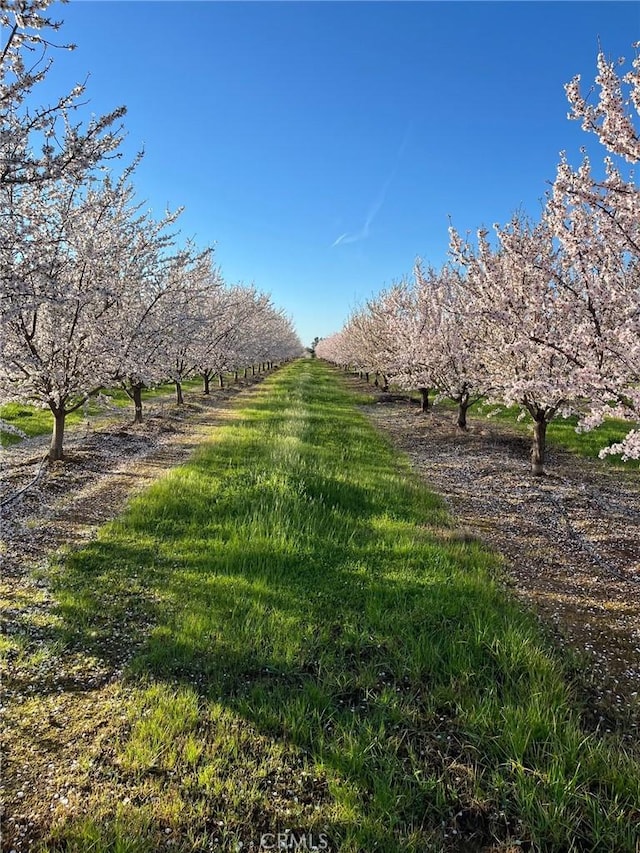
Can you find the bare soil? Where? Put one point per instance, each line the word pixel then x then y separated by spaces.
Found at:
pixel 570 541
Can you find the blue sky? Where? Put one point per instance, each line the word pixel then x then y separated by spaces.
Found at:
pixel 322 146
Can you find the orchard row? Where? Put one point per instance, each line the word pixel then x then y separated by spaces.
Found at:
pixel 96 292
pixel 545 315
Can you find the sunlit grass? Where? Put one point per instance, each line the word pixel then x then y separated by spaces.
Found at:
pixel 311 646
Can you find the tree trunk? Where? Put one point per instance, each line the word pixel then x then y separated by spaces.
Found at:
pixel 221 379
pixel 366 375
pixel 136 394
pixel 235 375
pixel 253 370
pixel 463 405
pixel 424 399
pixel 55 450
pixel 179 396
pixel 538 447
pixel 205 379
pixel 385 383
pixel 245 373
pixel 376 383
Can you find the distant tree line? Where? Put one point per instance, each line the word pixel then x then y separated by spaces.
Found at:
pixel 94 291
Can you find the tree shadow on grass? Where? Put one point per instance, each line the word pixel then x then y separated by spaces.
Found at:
pixel 330 650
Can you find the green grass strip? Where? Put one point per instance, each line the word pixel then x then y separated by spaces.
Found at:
pixel 313 649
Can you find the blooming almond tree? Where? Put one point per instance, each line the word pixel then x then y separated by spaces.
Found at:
pixel 610 118
pixel 449 343
pixel 428 339
pixel 334 349
pixel 152 299
pixel 384 332
pixel 285 342
pixel 365 336
pixel 266 334
pixel 598 270
pixel 230 314
pixel 191 281
pixel 523 324
pixel 597 222
pixel 61 252
pixel 405 339
pixel 269 335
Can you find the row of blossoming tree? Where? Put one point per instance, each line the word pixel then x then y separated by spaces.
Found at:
pixel 94 291
pixel 545 315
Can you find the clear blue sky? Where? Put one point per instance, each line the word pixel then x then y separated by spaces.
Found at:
pixel 322 146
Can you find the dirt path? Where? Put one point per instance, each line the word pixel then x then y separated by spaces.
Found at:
pixel 570 540
pixel 52 699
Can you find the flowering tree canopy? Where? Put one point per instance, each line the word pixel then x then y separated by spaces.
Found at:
pixel 612 118
pixel 597 221
pixel 67 268
pixel 93 292
pixel 41 143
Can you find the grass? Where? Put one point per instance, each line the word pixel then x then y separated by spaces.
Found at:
pixel 311 648
pixel 32 420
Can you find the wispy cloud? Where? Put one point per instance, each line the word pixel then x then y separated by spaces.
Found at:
pixel 375 208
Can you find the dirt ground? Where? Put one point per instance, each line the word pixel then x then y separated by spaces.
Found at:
pixel 53 700
pixel 570 540
pixel 570 543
